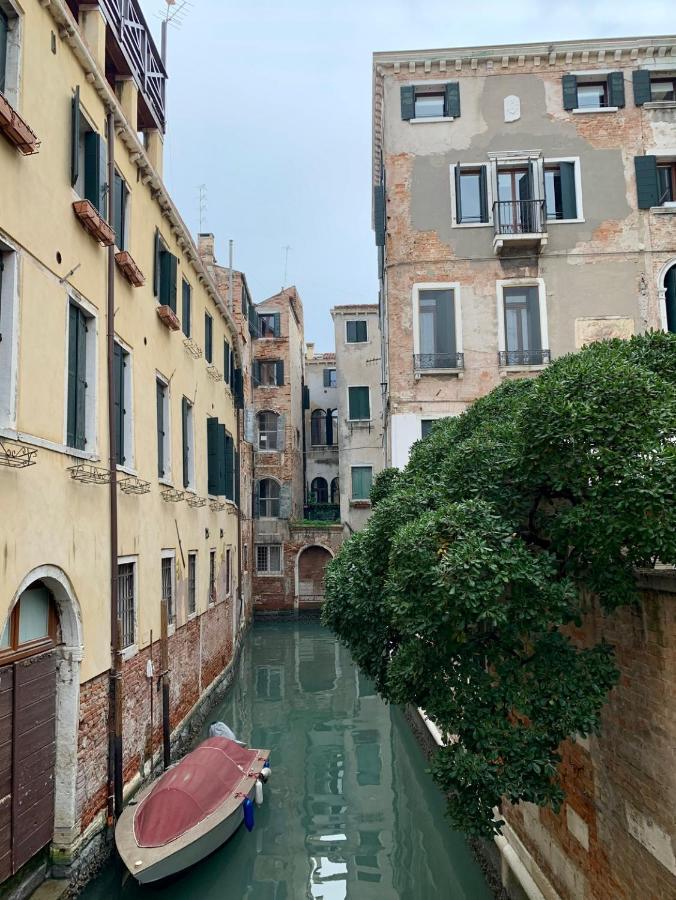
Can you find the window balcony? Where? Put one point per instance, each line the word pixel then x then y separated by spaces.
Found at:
pixel 16 130
pixel 93 222
pixel 519 225
pixel 507 358
pixel 434 363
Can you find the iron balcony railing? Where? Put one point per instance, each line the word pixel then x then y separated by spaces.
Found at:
pixel 514 217
pixel 322 512
pixel 523 357
pixel 424 361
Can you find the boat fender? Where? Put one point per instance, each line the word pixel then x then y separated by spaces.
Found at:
pixel 248 808
pixel 265 773
pixel 258 793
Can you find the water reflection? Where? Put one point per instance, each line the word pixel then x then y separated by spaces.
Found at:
pixel 349 812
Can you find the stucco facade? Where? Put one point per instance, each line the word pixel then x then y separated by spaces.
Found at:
pixel 361 436
pixel 55 527
pixel 321 433
pixel 598 268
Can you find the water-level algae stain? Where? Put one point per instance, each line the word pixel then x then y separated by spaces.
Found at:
pixel 349 813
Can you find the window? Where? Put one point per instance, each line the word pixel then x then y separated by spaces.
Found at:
pixel 168 564
pixel 122 392
pixel 593 92
pixel 211 598
pixel 228 571
pixel 522 327
pixel 436 330
pixel 356 331
pixel 655 180
pixel 663 90
pixel 359 403
pixel 32 624
pixel 335 491
pixel 653 87
pixel 430 101
pixel 80 345
pixel 192 583
pixel 165 274
pixel 89 160
pixel 318 428
pixel 426 426
pixel 187 440
pixel 268 325
pixel 4 29
pixel 268 424
pixel 666 182
pixel 319 490
pixel 226 362
pixel 268 499
pixel 362 477
pixel 330 378
pixel 471 195
pixel 9 348
pixel 186 311
pixel 268 373
pixel 560 190
pixel 126 602
pixel 121 197
pixel 163 441
pixel 268 559
pixel 208 337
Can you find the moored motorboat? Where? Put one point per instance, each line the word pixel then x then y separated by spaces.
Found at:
pixel 192 809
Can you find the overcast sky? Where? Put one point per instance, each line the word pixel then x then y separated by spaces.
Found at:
pixel 270 107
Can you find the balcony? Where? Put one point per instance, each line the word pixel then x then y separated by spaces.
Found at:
pixel 507 358
pixel 322 512
pixel 519 225
pixel 438 363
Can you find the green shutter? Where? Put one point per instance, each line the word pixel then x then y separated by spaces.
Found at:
pixel 306 397
pixel 444 332
pixel 81 380
pixel 647 185
pixel 226 361
pixel 361 331
pixel 361 482
pixel 212 456
pixel 452 100
pixel 72 374
pixel 229 467
pixel 359 403
pixel 568 192
pixel 168 279
pixel 119 202
pixel 238 386
pixel 118 391
pixel 533 306
pixel 237 478
pixel 379 214
pixel 351 332
pixel 160 389
pixel 95 171
pixel 75 137
pixel 483 193
pixel 277 325
pixel 185 438
pixel 569 87
pixel 156 263
pixel 220 460
pixel 208 337
pixel 458 192
pixel 641 84
pixel 616 89
pixel 186 312
pixel 279 366
pixel 4 28
pixel 407 102
pixel 327 377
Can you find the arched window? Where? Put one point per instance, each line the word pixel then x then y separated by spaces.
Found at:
pixel 335 491
pixel 268 499
pixel 318 428
pixel 267 430
pixel 32 625
pixel 320 490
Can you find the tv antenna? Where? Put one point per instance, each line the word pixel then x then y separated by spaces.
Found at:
pixel 175 14
pixel 286 264
pixel 202 205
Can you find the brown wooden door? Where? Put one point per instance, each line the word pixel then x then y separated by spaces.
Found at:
pixel 27 756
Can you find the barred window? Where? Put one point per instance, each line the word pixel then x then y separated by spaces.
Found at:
pixel 268 558
pixel 126 602
pixel 168 587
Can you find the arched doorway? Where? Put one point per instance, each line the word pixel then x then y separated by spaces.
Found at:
pixel 40 655
pixel 310 571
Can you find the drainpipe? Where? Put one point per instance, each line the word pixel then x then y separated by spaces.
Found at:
pixel 240 457
pixel 115 777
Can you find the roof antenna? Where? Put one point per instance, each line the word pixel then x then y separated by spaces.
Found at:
pixel 286 264
pixel 175 14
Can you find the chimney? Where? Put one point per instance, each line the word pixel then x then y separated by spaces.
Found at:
pixel 310 351
pixel 205 248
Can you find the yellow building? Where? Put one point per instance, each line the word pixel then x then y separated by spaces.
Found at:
pixel 72 76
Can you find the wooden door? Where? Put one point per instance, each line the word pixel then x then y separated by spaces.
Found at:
pixel 27 757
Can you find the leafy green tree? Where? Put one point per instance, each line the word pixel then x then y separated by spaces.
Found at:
pixel 508 524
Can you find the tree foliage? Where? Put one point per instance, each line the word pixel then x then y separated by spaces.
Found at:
pixel 459 593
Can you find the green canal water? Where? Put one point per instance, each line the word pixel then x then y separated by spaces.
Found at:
pixel 350 812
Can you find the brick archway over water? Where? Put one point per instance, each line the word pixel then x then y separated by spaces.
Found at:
pixel 310 572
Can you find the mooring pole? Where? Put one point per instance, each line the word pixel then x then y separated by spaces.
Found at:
pixel 164 674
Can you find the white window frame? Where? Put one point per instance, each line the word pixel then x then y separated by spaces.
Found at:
pixel 15 25
pixel 279 484
pixel 130 456
pixel 191 445
pixel 427 119
pixel 168 477
pixel 191 615
pixel 347 397
pixel 553 160
pixel 591 77
pixel 544 328
pixel 489 194
pixel 9 328
pixel 266 573
pixel 130 651
pixel 664 155
pixel 170 554
pixel 360 465
pixel 457 312
pixel 91 370
pixel 357 319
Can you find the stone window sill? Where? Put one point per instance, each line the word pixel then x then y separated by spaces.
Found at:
pixel 458 373
pixel 360 504
pixel 595 109
pixel 660 104
pixel 505 370
pixel 667 209
pixel 129 652
pixel 427 119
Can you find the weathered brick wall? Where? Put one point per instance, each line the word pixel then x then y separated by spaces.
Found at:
pixel 614 838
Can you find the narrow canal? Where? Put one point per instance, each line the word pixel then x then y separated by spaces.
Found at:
pixel 350 812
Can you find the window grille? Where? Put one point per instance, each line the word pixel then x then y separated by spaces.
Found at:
pixel 168 587
pixel 126 602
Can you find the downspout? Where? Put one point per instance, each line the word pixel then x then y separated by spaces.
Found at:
pixel 239 448
pixel 115 777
